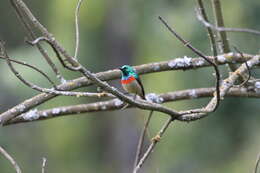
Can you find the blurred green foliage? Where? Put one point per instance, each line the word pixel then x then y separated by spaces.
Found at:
pixel 113 33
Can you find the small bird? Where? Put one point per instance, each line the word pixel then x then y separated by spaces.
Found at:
pixel 131 82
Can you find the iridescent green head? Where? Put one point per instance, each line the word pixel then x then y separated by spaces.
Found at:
pixel 128 71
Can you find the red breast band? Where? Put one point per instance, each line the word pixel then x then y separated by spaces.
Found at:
pixel 127 81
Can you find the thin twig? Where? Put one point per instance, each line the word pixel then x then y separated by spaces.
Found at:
pixel 257 163
pixel 141 139
pixel 45 90
pixel 211 35
pixel 32 36
pixel 11 160
pixel 224 46
pixel 209 25
pixel 15 72
pixel 199 53
pixel 155 140
pixel 222 36
pixel 44 160
pixel 45 39
pixel 32 67
pixel 77 29
pixel 27 12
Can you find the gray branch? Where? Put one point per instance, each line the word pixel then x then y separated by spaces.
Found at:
pixel 184 63
pixel 116 104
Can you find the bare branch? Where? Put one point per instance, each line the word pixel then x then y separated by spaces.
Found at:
pixel 155 140
pixel 77 28
pixel 195 114
pixel 115 104
pixel 224 46
pixel 11 160
pixel 32 67
pixel 32 36
pixel 174 64
pixel 141 139
pixel 199 53
pixel 209 25
pixel 257 163
pixel 44 160
pixel 39 39
pixel 222 36
pixel 26 11
pixel 45 90
pixel 211 35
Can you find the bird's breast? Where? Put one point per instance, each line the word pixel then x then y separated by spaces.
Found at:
pixel 132 86
pixel 127 80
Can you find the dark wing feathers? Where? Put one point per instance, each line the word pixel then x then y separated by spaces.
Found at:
pixel 140 83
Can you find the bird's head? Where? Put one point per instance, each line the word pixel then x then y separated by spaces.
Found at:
pixel 127 70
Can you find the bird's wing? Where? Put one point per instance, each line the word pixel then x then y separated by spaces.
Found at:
pixel 142 87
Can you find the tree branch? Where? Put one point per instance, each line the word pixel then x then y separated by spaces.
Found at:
pixel 155 140
pixel 77 28
pixel 226 84
pixel 11 160
pixel 216 28
pixel 116 104
pixel 257 163
pixel 33 36
pixel 141 139
pixel 44 160
pixel 199 53
pixel 175 64
pixel 224 46
pixel 211 35
pixel 222 36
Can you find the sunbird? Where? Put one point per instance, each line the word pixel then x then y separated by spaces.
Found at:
pixel 131 82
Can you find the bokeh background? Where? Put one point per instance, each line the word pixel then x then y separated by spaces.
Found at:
pixel 117 32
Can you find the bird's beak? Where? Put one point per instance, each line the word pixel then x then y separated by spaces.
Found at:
pixel 120 69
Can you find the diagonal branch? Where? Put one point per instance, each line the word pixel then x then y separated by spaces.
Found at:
pixel 257 163
pixel 141 139
pixel 155 140
pixel 32 36
pixel 45 39
pixel 192 115
pixel 11 160
pixel 199 53
pixel 26 11
pixel 40 89
pixel 30 66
